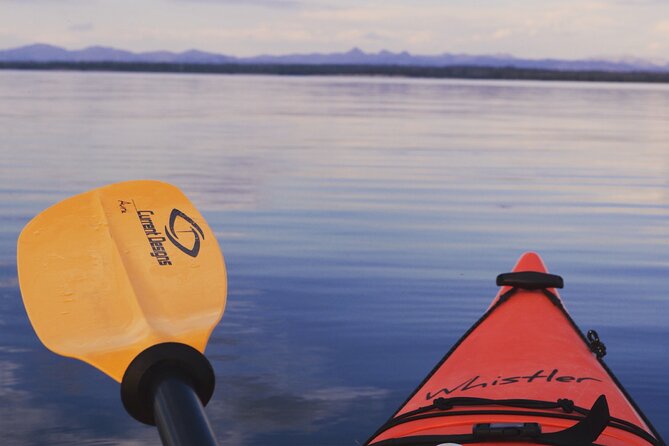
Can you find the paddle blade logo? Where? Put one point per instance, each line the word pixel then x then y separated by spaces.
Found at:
pixel 184 233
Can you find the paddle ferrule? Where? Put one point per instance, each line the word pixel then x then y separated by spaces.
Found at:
pixel 168 385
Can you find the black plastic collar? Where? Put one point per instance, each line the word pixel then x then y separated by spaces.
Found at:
pixel 530 280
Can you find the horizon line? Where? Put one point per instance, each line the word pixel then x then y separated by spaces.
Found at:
pixel 622 58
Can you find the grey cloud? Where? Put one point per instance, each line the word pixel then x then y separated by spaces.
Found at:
pixel 81 27
pixel 637 2
pixel 373 36
pixel 24 2
pixel 279 4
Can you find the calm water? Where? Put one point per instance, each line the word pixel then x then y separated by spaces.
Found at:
pixel 363 223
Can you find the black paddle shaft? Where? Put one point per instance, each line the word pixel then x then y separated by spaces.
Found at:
pixel 178 412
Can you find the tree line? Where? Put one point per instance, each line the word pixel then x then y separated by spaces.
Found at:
pixel 459 72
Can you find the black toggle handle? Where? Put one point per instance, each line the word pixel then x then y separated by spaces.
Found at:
pixel 530 280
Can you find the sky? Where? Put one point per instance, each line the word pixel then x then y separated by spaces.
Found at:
pixel 568 29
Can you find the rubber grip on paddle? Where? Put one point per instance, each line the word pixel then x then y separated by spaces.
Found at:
pixel 144 372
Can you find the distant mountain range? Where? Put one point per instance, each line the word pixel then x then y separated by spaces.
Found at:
pixel 50 53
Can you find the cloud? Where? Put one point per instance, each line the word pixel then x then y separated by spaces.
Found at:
pixel 278 4
pixel 263 33
pixel 502 33
pixel 373 36
pixel 637 2
pixel 420 37
pixel 661 28
pixel 42 2
pixel 362 14
pixel 81 27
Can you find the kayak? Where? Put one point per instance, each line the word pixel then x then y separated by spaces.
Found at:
pixel 524 373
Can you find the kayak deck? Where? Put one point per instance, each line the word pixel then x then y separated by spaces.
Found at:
pixel 523 372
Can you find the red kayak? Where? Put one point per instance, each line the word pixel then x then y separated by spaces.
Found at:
pixel 523 374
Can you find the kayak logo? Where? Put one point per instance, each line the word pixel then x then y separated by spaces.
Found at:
pixel 537 377
pixel 179 225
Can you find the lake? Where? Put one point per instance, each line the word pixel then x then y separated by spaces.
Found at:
pixel 363 222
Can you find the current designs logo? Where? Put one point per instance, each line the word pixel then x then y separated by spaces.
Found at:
pixel 194 229
pixel 154 237
pixel 179 224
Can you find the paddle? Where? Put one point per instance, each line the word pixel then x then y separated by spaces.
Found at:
pixel 130 279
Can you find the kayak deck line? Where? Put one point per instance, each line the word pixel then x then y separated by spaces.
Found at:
pixel 569 412
pixel 583 433
pixel 524 362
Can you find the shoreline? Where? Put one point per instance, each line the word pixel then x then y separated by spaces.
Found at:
pixel 449 72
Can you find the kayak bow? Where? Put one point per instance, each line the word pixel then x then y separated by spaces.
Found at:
pixel 523 374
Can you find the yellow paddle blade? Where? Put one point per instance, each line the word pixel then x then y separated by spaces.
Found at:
pixel 111 272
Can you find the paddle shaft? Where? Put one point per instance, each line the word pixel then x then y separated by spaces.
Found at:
pixel 178 412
